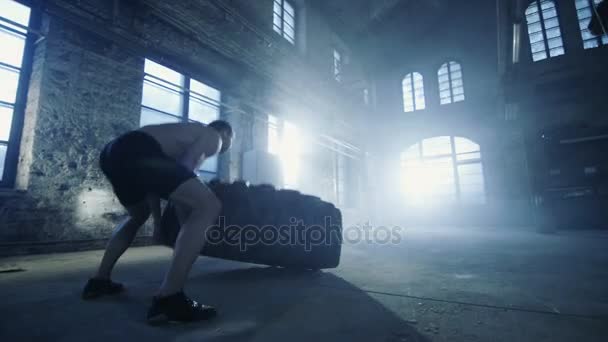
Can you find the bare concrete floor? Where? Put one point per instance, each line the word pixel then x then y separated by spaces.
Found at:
pixel 451 284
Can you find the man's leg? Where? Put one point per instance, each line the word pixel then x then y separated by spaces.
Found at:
pixel 199 210
pixel 122 237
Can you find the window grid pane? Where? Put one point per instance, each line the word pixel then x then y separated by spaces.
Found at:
pixel 547 37
pixel 13 45
pixel 6 120
pixel 419 91
pixel 284 20
pixel 163 99
pixel 289 11
pixel 12 48
pixel 451 85
pixel 205 92
pixel 408 93
pixel 203 112
pixel 16 12
pixel 153 117
pixel 430 176
pixel 9 83
pixel 163 73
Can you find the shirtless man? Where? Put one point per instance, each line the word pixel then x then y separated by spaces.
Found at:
pixel 144 166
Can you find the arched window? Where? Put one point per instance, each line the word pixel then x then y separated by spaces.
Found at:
pixel 585 11
pixel 413 92
pixel 451 86
pixel 543 30
pixel 443 168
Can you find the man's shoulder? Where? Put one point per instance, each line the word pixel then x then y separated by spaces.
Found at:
pixel 182 130
pixel 206 130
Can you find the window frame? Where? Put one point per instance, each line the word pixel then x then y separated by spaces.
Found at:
pixel 600 40
pixel 13 144
pixel 185 93
pixel 453 155
pixel 412 77
pixel 543 31
pixel 280 30
pixel 450 82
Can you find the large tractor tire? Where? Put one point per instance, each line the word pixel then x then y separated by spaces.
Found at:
pixel 262 225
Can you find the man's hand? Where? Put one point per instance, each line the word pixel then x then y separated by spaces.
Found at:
pixel 154 204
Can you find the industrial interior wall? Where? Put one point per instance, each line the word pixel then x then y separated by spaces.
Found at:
pixel 464 33
pixel 86 88
pixel 563 97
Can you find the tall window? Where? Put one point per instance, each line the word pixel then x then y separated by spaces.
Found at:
pixel 585 11
pixel 337 66
pixel 284 140
pixel 12 42
pixel 291 150
pixel 413 92
pixel 544 30
pixel 443 168
pixel 274 137
pixel 284 20
pixel 170 97
pixel 451 86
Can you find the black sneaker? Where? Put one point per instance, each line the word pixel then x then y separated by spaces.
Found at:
pixel 178 308
pixel 96 288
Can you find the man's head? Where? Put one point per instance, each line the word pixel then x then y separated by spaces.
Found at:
pixel 226 133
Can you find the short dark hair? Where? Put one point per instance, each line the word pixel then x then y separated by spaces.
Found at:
pixel 221 126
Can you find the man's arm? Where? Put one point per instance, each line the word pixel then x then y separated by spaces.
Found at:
pixel 208 144
pixel 154 204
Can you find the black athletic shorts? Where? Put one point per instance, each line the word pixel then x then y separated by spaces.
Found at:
pixel 136 166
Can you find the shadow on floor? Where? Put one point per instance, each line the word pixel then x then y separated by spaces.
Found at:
pixel 277 304
pixel 254 303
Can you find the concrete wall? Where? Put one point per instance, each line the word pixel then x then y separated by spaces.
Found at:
pixel 86 85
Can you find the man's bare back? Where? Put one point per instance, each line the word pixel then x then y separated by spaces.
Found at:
pixel 178 139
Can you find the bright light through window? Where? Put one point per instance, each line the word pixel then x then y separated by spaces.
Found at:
pixel 443 169
pixel 274 142
pixel 284 20
pixel 544 30
pixel 290 155
pixel 451 87
pixel 166 99
pixel 285 141
pixel 12 43
pixel 413 92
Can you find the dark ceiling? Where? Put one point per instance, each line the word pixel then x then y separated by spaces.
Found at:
pixel 357 20
pixel 382 29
